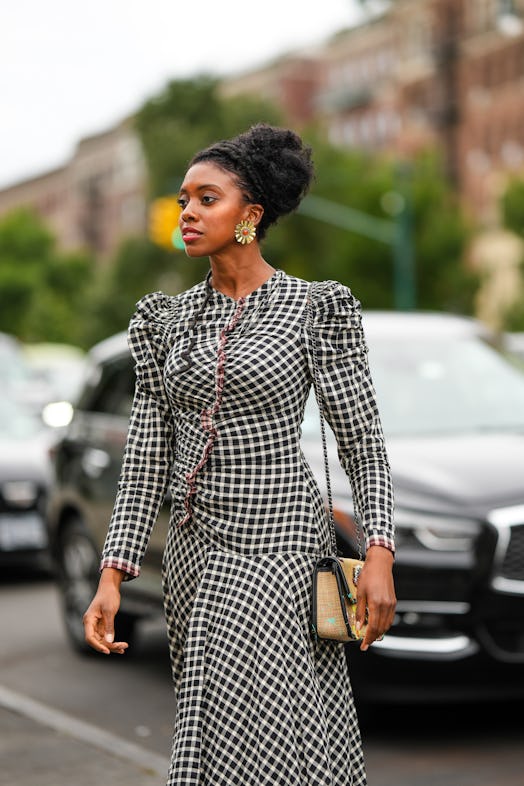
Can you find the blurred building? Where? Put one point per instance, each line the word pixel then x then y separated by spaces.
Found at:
pixel 445 73
pixel 291 82
pixel 96 198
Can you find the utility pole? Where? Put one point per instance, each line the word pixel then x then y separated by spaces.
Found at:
pixel 447 60
pixel 397 233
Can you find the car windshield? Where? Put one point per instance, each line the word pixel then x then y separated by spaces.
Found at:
pixel 16 423
pixel 60 368
pixel 437 386
pixel 431 386
pixel 13 369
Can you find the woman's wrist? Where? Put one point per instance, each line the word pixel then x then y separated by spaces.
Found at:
pixel 382 553
pixel 112 576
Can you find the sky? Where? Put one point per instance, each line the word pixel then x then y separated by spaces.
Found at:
pixel 69 69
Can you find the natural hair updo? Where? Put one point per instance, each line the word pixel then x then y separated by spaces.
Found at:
pixel 272 165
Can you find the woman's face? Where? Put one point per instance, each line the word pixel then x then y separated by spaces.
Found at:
pixel 212 205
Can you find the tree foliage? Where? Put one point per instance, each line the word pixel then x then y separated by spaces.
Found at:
pixel 138 267
pixel 41 289
pixel 512 206
pixel 512 209
pixel 439 232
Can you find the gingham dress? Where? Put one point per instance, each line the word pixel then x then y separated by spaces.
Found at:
pixel 258 701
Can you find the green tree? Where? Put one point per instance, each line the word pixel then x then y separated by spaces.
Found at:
pixel 512 210
pixel 441 231
pixel 41 289
pixel 138 267
pixel 512 206
pixel 442 234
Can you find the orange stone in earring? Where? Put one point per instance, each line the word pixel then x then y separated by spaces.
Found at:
pixel 245 232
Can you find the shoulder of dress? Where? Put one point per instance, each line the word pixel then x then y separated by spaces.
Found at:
pixel 161 308
pixel 330 298
pixel 153 306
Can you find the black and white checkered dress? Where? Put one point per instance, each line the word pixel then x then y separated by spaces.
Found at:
pixel 259 702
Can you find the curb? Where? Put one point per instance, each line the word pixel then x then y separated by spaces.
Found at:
pixel 83 731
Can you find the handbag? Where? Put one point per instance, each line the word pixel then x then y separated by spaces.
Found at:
pixel 335 578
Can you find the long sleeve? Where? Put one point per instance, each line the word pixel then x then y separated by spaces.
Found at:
pixel 147 459
pixel 350 407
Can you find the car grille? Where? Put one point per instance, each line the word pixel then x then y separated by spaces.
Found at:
pixel 502 630
pixel 513 563
pixel 508 567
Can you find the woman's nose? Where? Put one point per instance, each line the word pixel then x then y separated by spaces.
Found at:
pixel 188 213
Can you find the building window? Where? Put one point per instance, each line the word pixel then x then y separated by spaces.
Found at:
pixel 128 162
pixel 512 154
pixel 132 213
pixel 419 37
pixel 485 12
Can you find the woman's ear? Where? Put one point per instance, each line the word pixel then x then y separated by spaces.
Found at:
pixel 255 214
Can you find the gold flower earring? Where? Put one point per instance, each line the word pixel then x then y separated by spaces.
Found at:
pixel 245 232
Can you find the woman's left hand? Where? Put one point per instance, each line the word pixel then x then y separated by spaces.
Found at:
pixel 376 591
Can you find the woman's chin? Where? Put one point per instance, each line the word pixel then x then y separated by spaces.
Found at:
pixel 190 252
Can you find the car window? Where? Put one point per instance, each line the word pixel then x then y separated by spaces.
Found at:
pixel 113 393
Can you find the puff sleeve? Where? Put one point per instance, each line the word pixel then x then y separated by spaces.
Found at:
pixel 148 453
pixel 350 406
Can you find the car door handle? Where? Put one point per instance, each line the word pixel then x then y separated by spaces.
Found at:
pixel 95 461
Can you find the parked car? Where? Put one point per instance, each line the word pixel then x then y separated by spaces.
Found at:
pixel 57 374
pixel 25 475
pixel 15 374
pixel 453 412
pixel 40 374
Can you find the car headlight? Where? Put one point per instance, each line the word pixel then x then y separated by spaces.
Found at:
pixel 435 532
pixel 19 493
pixel 57 414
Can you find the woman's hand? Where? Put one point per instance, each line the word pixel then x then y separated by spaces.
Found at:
pixel 99 619
pixel 376 591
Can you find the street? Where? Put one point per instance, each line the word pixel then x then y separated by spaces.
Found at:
pixel 121 709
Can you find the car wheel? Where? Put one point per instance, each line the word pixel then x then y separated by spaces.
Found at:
pixel 78 562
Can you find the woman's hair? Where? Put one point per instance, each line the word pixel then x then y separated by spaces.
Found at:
pixel 272 165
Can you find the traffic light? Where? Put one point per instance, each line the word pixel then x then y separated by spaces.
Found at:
pixel 163 222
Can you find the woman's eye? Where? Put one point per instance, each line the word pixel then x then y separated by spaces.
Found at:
pixel 208 200
pixel 182 202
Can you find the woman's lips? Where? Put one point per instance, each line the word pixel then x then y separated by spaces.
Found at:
pixel 188 235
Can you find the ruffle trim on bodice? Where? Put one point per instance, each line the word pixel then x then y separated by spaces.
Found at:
pixel 208 413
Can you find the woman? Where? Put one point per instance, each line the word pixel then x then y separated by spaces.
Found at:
pixel 223 373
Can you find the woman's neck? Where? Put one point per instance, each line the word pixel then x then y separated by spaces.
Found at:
pixel 238 280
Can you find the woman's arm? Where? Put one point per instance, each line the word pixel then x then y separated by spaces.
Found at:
pixel 350 408
pixel 144 476
pixel 143 483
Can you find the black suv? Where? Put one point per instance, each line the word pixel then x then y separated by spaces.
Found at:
pixel 452 408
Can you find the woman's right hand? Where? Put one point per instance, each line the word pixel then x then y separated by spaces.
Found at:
pixel 99 619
